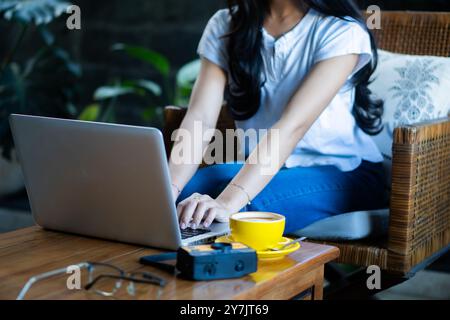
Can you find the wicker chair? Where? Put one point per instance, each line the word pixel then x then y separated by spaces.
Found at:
pixel 419 229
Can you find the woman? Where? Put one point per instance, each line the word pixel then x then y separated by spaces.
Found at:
pixel 299 68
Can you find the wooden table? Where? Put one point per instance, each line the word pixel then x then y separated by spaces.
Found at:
pixel 32 251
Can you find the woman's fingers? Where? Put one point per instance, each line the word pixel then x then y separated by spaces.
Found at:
pixel 210 215
pixel 199 213
pixel 187 211
pixel 180 207
pixel 197 208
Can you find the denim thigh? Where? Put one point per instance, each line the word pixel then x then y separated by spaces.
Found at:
pixel 303 194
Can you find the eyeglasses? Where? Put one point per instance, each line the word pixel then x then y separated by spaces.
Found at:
pixel 102 278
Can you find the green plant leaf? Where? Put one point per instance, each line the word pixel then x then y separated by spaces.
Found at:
pixel 90 113
pixel 185 80
pixel 71 66
pixel 47 36
pixel 108 92
pixel 155 59
pixel 109 115
pixel 31 63
pixel 148 85
pixel 33 11
pixel 188 73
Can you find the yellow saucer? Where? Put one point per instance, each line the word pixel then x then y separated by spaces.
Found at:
pixel 269 254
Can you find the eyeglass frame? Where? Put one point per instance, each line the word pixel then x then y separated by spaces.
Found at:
pixel 149 278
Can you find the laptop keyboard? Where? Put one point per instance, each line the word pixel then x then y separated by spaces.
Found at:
pixel 189 232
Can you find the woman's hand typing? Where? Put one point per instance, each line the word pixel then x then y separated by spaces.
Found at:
pixel 201 209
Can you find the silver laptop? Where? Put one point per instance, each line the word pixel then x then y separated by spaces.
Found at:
pixel 102 180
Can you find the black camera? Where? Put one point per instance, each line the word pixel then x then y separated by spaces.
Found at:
pixel 209 262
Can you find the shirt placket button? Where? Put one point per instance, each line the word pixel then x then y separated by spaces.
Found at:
pixel 278 55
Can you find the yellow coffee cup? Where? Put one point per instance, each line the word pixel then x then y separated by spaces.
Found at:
pixel 258 230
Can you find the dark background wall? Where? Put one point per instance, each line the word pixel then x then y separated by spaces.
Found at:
pixel 172 27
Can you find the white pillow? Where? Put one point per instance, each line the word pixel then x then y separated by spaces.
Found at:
pixel 414 89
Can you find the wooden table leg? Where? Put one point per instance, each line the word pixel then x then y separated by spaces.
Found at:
pixel 318 284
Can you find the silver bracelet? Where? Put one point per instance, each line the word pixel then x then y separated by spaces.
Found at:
pixel 241 188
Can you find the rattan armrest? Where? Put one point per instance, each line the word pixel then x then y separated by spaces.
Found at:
pixel 420 198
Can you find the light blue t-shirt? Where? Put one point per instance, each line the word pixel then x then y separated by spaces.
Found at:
pixel 334 138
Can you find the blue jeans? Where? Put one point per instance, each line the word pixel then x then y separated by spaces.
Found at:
pixel 303 194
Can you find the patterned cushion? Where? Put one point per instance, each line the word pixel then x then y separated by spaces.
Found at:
pixel 414 89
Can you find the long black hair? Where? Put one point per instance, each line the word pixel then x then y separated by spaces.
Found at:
pixel 245 63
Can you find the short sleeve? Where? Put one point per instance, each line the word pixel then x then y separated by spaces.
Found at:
pixel 342 37
pixel 212 44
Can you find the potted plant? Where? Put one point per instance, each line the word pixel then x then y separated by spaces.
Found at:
pixel 40 84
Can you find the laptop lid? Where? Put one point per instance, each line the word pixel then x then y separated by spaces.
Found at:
pixel 102 180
